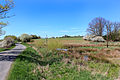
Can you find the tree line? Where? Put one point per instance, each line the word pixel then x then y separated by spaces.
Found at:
pixel 101 27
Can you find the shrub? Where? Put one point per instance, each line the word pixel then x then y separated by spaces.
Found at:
pixel 18 38
pixel 8 42
pixel 25 38
pixel 12 36
pixel 35 37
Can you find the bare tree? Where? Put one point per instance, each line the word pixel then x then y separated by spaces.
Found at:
pixel 108 30
pixel 116 27
pixel 96 26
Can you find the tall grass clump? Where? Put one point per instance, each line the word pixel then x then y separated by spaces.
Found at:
pixel 53 44
pixel 39 43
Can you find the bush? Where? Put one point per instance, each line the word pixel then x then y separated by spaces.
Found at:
pixel 18 39
pixel 12 36
pixel 25 38
pixel 35 37
pixel 8 42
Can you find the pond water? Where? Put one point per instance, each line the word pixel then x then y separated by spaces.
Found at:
pixel 61 49
pixel 86 58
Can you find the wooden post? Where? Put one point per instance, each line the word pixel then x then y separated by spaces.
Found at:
pixel 46 40
pixel 107 36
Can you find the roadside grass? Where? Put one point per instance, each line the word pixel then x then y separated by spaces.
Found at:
pixel 4 49
pixel 23 66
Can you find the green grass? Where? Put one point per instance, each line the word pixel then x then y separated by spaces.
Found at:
pixel 80 38
pixel 94 47
pixel 29 65
pixel 112 70
pixel 66 40
pixel 4 49
pixel 99 47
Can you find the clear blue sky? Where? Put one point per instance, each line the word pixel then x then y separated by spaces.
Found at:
pixel 59 17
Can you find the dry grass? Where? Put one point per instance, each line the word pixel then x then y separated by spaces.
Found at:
pixel 53 44
pixel 104 61
pixel 39 43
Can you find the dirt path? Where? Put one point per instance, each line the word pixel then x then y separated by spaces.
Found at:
pixel 7 58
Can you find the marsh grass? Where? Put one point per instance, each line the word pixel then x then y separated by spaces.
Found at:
pixel 29 65
pixel 52 44
pixel 39 43
pixel 57 66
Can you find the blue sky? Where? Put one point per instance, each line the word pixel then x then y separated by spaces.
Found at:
pixel 59 17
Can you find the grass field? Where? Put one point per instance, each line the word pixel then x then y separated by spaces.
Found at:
pixel 69 40
pixel 81 61
pixel 31 66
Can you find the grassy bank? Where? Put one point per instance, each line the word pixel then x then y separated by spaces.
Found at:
pixel 5 49
pixel 54 66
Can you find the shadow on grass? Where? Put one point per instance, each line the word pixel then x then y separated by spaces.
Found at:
pixel 37 59
pixel 8 58
pixel 9 55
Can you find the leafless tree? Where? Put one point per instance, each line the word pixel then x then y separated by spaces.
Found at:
pixel 96 26
pixel 108 30
pixel 116 26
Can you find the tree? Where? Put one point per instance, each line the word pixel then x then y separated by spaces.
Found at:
pixel 65 36
pixel 96 26
pixel 108 30
pixel 116 27
pixel 12 36
pixel 35 37
pixel 25 38
pixel 113 31
pixel 5 7
pixel 1 26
